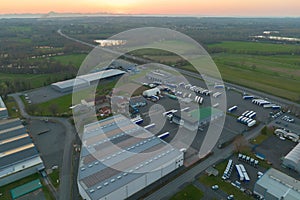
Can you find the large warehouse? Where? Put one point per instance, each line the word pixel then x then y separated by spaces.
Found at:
pixel 3 110
pixel 193 119
pixel 292 159
pixel 85 80
pixel 120 158
pixel 18 155
pixel 275 185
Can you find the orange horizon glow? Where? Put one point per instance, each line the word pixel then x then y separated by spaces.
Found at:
pixel 159 7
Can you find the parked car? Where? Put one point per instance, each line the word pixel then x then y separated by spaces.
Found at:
pixel 215 187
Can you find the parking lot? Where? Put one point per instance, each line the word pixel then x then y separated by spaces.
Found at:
pixel 293 127
pixel 49 138
pixel 43 94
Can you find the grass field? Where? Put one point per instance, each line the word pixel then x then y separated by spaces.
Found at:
pixel 12 108
pixel 36 80
pixel 277 74
pixel 226 187
pixel 5 190
pixel 190 192
pixel 73 59
pixel 61 106
pixel 54 176
pixel 256 47
pixel 268 67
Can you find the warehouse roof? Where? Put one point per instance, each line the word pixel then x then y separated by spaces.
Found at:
pixel 25 188
pixel 116 151
pixel 294 154
pixel 10 123
pixel 70 83
pixel 88 78
pixel 199 115
pixel 15 143
pixel 280 184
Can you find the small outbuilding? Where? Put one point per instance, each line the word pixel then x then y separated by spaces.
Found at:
pixel 151 92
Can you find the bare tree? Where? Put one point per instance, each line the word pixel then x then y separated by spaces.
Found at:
pixel 240 143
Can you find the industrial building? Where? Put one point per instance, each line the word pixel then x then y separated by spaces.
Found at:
pixel 151 92
pixel 199 117
pixel 86 80
pixel 18 155
pixel 275 185
pixel 123 65
pixel 160 76
pixel 292 159
pixel 120 158
pixel 3 110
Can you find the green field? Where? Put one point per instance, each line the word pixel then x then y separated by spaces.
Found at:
pixel 255 47
pixel 5 190
pixel 55 107
pixel 36 80
pixel 12 108
pixel 190 192
pixel 61 106
pixel 73 59
pixel 268 67
pixel 54 176
pixel 225 186
pixel 277 72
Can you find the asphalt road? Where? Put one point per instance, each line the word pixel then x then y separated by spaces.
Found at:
pixel 70 136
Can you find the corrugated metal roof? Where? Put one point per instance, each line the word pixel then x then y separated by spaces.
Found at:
pixel 18 157
pixel 5 124
pixel 88 78
pixel 294 154
pixel 12 133
pixel 13 137
pixel 25 188
pixel 101 162
pixel 280 184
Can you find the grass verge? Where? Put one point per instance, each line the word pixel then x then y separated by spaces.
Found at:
pixel 223 185
pixel 190 192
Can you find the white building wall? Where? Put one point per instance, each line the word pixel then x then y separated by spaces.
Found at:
pixel 21 166
pixel 82 192
pixel 153 176
pixel 168 168
pixel 136 185
pixel 117 194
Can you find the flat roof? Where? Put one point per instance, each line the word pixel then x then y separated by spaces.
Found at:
pixel 280 184
pixel 116 151
pixel 198 115
pixel 69 83
pixel 204 113
pixel 25 188
pixel 88 78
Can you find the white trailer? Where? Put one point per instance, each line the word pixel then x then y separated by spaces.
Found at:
pixel 249 113
pixel 252 115
pixel 245 112
pixel 252 123
pixel 240 173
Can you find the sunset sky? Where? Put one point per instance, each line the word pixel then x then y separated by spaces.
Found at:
pixel 172 7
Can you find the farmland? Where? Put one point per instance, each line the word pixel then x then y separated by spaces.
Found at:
pixel 268 67
pixel 72 59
